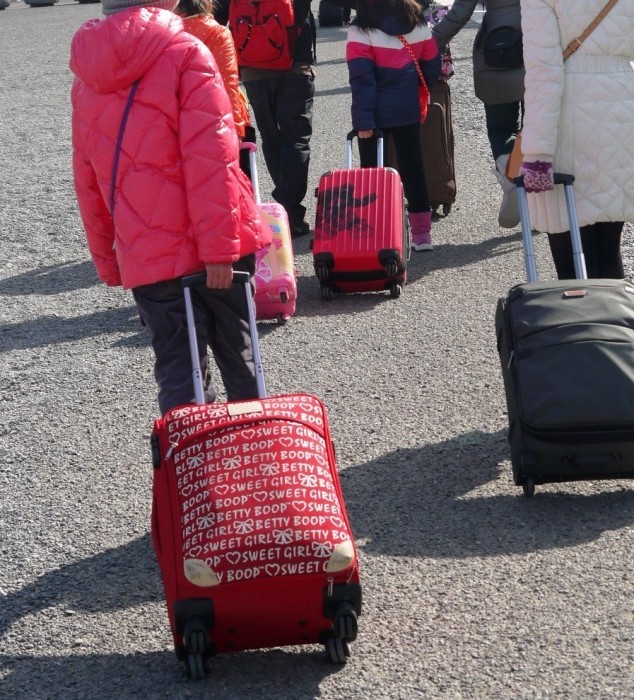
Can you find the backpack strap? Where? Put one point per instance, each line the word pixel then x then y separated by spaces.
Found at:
pixel 117 150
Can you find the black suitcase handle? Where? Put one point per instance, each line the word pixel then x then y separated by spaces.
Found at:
pixel 239 277
pixel 379 146
pixel 527 234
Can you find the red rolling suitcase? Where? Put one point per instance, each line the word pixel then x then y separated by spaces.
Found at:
pixel 361 240
pixel 249 524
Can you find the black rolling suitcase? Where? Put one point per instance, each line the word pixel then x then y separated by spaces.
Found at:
pixel 437 139
pixel 567 354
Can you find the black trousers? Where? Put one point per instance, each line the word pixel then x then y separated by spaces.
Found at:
pixel 283 110
pixel 503 124
pixel 409 155
pixel 221 322
pixel 601 248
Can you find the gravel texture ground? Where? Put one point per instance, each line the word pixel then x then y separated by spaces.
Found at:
pixel 471 591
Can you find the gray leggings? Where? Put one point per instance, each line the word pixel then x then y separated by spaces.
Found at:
pixel 221 323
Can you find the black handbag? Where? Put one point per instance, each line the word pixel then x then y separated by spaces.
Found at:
pixel 503 48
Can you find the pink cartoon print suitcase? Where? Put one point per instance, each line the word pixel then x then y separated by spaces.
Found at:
pixel 249 524
pixel 275 276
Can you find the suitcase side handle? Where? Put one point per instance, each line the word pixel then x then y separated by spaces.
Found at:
pixel 239 277
pixel 379 146
pixel 530 264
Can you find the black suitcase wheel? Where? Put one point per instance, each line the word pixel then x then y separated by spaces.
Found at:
pixel 337 650
pixel 345 623
pixel 195 642
pixel 395 291
pixel 529 488
pixel 196 667
pixel 391 269
pixel 326 292
pixel 322 273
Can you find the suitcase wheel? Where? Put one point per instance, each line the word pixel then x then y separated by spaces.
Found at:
pixel 326 292
pixel 197 666
pixel 345 622
pixel 337 650
pixel 391 268
pixel 195 641
pixel 282 318
pixel 529 488
pixel 322 272
pixel 395 291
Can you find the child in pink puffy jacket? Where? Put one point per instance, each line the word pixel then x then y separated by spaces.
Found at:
pixel 179 202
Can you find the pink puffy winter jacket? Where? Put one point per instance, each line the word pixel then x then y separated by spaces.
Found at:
pixel 181 200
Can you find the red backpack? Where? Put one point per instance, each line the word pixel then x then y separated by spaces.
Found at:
pixel 264 33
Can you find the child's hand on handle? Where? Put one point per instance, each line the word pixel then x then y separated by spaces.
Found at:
pixel 219 275
pixel 365 134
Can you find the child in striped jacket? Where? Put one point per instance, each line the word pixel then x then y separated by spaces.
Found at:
pixel 383 40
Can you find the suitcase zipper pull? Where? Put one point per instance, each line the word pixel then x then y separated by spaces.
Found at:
pixel 510 362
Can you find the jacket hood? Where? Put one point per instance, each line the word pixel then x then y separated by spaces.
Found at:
pixel 110 54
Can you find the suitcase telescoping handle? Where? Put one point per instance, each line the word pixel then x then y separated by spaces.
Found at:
pixel 253 166
pixel 238 278
pixel 379 146
pixel 527 237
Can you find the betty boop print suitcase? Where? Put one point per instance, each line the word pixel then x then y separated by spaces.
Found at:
pixel 249 524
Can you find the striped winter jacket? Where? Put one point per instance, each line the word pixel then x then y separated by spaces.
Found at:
pixel 382 75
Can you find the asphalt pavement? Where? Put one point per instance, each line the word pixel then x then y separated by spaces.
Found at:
pixel 470 589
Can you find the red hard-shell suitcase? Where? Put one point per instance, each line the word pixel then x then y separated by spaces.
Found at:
pixel 361 240
pixel 249 524
pixel 275 276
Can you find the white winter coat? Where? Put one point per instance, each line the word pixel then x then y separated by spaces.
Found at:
pixel 580 113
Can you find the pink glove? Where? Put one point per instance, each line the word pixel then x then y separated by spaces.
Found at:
pixel 538 176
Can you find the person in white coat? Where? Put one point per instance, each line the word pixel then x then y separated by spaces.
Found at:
pixel 579 120
pixel 500 87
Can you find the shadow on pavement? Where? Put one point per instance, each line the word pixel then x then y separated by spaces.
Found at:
pixel 97 584
pixel 417 503
pixel 51 279
pixel 103 583
pixel 449 256
pixel 53 330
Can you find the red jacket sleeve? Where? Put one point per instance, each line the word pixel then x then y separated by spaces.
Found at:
pixel 210 150
pixel 95 216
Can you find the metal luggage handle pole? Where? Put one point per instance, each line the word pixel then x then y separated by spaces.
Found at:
pixel 239 277
pixel 530 263
pixel 379 147
pixel 255 180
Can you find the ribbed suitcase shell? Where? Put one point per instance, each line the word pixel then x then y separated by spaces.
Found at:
pixel 361 234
